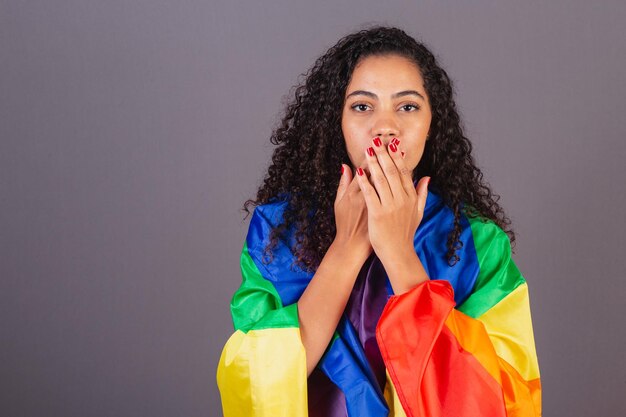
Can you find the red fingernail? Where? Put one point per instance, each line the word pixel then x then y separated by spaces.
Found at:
pixel 342 170
pixel 393 147
pixel 370 151
pixel 396 141
pixel 377 142
pixel 360 171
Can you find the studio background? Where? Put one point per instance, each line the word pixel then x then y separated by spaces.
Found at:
pixel 133 131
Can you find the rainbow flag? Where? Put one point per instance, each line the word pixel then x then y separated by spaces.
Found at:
pixel 458 345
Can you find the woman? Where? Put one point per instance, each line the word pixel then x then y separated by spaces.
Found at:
pixel 388 289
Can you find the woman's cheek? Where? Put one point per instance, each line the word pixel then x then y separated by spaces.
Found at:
pixel 357 158
pixel 353 148
pixel 415 159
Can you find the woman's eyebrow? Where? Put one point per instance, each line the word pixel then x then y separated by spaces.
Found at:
pixel 374 96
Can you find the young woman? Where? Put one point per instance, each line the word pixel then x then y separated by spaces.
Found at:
pixel 377 269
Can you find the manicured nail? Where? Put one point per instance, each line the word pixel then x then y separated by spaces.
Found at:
pixel 396 141
pixel 360 171
pixel 377 142
pixel 393 147
pixel 370 151
pixel 342 170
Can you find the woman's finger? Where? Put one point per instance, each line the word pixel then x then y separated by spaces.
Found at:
pixel 354 187
pixel 385 158
pixel 377 176
pixel 422 194
pixel 405 174
pixel 344 182
pixel 369 192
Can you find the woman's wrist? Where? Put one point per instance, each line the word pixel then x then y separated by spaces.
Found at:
pixel 405 270
pixel 351 249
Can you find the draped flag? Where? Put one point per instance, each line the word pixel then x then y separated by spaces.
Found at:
pixel 460 344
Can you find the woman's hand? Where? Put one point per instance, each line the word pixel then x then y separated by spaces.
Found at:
pixel 394 206
pixel 351 215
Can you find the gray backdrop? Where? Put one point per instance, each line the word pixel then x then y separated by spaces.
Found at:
pixel 132 132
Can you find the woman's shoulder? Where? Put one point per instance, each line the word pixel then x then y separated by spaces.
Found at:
pixel 286 277
pixel 474 224
pixel 270 213
pixel 265 217
pixel 486 231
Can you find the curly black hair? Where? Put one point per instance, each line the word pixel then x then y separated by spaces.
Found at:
pixel 305 164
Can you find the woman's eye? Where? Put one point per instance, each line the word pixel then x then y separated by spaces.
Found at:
pixel 410 105
pixel 359 106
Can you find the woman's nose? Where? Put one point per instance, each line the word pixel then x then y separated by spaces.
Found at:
pixel 385 128
pixel 386 136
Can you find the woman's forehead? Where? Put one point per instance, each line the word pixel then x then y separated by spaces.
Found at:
pixel 388 74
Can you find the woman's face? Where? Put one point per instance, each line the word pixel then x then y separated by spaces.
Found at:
pixel 385 98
